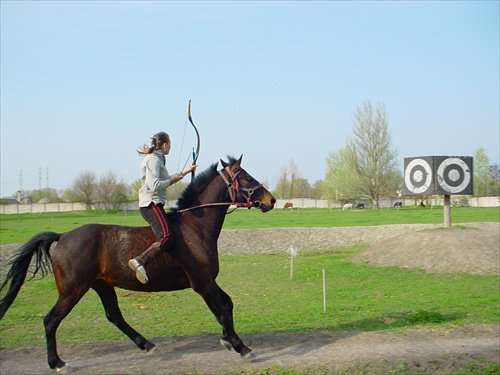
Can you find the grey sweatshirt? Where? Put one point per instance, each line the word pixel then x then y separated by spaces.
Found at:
pixel 155 180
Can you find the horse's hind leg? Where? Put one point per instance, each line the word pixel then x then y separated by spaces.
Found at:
pixel 52 320
pixel 109 300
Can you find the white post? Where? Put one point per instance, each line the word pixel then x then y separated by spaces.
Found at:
pixel 293 253
pixel 324 290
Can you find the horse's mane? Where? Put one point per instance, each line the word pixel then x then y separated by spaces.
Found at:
pixel 194 189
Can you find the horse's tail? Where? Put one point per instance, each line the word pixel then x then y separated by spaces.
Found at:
pixel 39 245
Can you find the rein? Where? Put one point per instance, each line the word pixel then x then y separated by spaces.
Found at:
pixel 233 188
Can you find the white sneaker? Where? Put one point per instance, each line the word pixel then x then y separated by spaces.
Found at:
pixel 140 272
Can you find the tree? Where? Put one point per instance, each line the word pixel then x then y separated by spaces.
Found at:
pixel 110 191
pixel 290 184
pixel 483 180
pixel 84 188
pixel 368 164
pixel 47 195
pixel 340 183
pixel 495 183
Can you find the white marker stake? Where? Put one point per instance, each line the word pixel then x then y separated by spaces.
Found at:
pixel 293 253
pixel 324 290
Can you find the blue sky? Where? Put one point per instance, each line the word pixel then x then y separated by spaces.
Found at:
pixel 84 84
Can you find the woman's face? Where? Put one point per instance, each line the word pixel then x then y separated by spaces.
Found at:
pixel 165 148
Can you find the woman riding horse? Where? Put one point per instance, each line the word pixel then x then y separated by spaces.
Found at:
pixel 95 256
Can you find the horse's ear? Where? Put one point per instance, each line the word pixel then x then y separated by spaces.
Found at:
pixel 237 164
pixel 224 164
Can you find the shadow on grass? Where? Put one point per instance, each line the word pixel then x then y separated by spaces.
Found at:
pixel 399 320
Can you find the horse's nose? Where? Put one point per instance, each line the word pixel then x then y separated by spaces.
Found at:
pixel 273 201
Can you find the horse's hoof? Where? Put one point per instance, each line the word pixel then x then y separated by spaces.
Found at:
pixel 149 347
pixel 66 369
pixel 226 344
pixel 151 350
pixel 249 355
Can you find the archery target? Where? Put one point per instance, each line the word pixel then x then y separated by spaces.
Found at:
pixel 454 175
pixel 419 176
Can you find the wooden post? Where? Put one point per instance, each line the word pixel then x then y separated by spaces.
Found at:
pixel 447 211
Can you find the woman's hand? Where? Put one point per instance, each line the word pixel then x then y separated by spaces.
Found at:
pixel 189 169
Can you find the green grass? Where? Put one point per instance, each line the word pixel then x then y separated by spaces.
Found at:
pixel 19 228
pixel 359 298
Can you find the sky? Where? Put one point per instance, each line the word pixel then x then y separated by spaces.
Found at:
pixel 84 84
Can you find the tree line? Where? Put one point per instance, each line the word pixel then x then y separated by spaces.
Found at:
pixel 367 167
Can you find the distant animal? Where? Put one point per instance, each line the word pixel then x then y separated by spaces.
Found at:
pixel 94 256
pixel 347 206
pixel 288 205
pixel 398 204
pixel 360 206
pixel 421 204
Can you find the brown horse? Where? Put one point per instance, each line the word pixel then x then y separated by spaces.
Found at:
pixel 95 256
pixel 288 205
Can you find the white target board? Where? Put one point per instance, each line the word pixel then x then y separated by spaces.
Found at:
pixel 454 174
pixel 419 176
pixel 438 175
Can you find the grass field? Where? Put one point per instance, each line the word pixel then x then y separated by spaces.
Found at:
pixel 359 297
pixel 21 227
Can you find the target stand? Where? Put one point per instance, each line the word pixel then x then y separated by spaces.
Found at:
pixel 446 175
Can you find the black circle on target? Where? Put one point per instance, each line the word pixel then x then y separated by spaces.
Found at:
pixel 450 175
pixel 418 176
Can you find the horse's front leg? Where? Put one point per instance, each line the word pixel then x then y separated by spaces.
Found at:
pixel 227 337
pixel 221 306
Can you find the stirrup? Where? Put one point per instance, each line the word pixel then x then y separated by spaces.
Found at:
pixel 140 272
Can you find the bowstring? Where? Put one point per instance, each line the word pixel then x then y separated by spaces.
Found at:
pixel 180 154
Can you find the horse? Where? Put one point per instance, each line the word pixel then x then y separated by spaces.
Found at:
pixel 347 206
pixel 398 204
pixel 360 206
pixel 288 205
pixel 95 256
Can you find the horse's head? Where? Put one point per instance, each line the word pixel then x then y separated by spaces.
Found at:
pixel 244 190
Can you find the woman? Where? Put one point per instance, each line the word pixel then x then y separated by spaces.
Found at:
pixel 152 197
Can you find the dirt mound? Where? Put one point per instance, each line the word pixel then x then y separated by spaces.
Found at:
pixel 474 249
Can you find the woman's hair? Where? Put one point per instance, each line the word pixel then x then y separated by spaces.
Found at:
pixel 156 142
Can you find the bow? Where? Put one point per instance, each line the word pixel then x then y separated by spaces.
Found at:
pixel 197 153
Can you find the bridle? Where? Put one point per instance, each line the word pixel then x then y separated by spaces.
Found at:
pixel 233 187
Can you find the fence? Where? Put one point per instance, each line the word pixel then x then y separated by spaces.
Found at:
pixel 297 203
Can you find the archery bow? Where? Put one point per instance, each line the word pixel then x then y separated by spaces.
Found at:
pixel 197 153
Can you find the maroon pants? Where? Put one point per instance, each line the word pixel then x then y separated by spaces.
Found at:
pixel 156 216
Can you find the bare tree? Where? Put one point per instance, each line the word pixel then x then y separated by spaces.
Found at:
pixel 110 191
pixel 285 188
pixel 368 164
pixel 84 188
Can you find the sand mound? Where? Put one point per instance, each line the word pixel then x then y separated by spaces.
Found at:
pixel 474 249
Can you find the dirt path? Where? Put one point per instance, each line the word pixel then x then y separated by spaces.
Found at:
pixel 415 351
pixel 472 248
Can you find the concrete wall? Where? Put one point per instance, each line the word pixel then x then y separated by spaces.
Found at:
pixel 297 203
